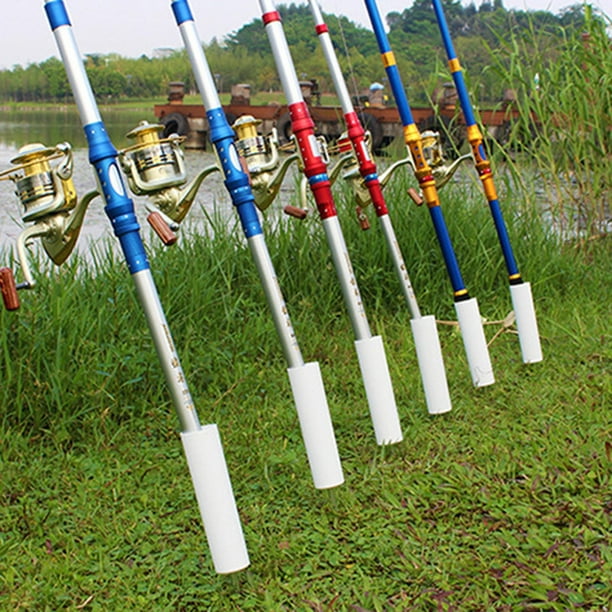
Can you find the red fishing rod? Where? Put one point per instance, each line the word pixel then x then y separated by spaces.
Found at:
pixel 370 349
pixel 520 291
pixel 427 343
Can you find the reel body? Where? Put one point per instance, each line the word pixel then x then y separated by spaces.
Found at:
pixel 51 205
pixel 262 160
pixel 155 167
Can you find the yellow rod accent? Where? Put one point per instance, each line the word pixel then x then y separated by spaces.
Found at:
pixel 388 59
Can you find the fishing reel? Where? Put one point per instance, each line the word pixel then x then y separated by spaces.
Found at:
pixel 434 155
pixel 47 193
pixel 262 160
pixel 155 167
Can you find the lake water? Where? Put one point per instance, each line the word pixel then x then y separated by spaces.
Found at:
pixel 18 128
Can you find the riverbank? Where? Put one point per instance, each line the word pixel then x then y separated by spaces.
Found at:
pixel 504 501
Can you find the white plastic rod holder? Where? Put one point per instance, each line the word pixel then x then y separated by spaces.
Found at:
pixel 526 322
pixel 216 499
pixel 316 425
pixel 475 342
pixel 379 390
pixel 431 364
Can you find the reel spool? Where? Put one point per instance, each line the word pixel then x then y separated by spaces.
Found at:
pixel 260 154
pixel 155 167
pixel 50 203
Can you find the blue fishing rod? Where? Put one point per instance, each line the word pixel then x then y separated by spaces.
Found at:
pixel 466 307
pixel 370 349
pixel 520 291
pixel 305 378
pixel 202 444
pixel 424 331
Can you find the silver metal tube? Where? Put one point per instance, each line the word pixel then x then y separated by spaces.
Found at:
pixel 201 70
pixel 282 57
pixel 276 302
pixel 332 60
pixel 346 277
pixel 400 266
pixel 75 70
pixel 168 357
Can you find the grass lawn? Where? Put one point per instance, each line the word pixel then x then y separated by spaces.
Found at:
pixel 504 503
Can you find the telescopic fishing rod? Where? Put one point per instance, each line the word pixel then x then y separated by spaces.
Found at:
pixel 520 291
pixel 370 349
pixel 427 343
pixel 305 378
pixel 202 444
pixel 466 307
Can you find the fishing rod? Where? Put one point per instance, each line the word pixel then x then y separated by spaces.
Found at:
pixel 520 291
pixel 202 444
pixel 370 349
pixel 305 378
pixel 466 307
pixel 427 342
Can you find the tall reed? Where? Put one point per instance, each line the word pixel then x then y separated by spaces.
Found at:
pixel 563 134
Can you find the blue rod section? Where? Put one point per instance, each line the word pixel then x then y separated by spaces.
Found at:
pixel 399 93
pixel 119 207
pixel 452 267
pixel 401 99
pixel 224 140
pixel 236 179
pixel 470 120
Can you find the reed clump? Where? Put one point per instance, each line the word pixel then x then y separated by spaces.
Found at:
pixel 563 137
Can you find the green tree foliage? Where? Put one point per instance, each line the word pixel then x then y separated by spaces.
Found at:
pixel 245 56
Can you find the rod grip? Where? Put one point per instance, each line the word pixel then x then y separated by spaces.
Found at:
pixel 379 390
pixel 215 497
pixel 9 289
pixel 526 322
pixel 431 364
pixel 475 342
pixel 316 425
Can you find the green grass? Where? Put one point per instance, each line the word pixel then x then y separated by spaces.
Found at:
pixel 504 503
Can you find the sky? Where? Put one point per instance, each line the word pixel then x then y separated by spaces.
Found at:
pixel 135 27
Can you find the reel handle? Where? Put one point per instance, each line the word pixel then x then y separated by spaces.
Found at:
pixel 294 211
pixel 9 289
pixel 161 228
pixel 362 218
pixel 415 196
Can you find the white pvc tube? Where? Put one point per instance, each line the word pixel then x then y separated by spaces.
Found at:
pixel 316 425
pixel 216 499
pixel 475 342
pixel 526 322
pixel 379 390
pixel 431 364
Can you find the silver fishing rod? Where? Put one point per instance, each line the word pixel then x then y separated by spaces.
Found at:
pixel 425 333
pixel 202 444
pixel 305 378
pixel 370 349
